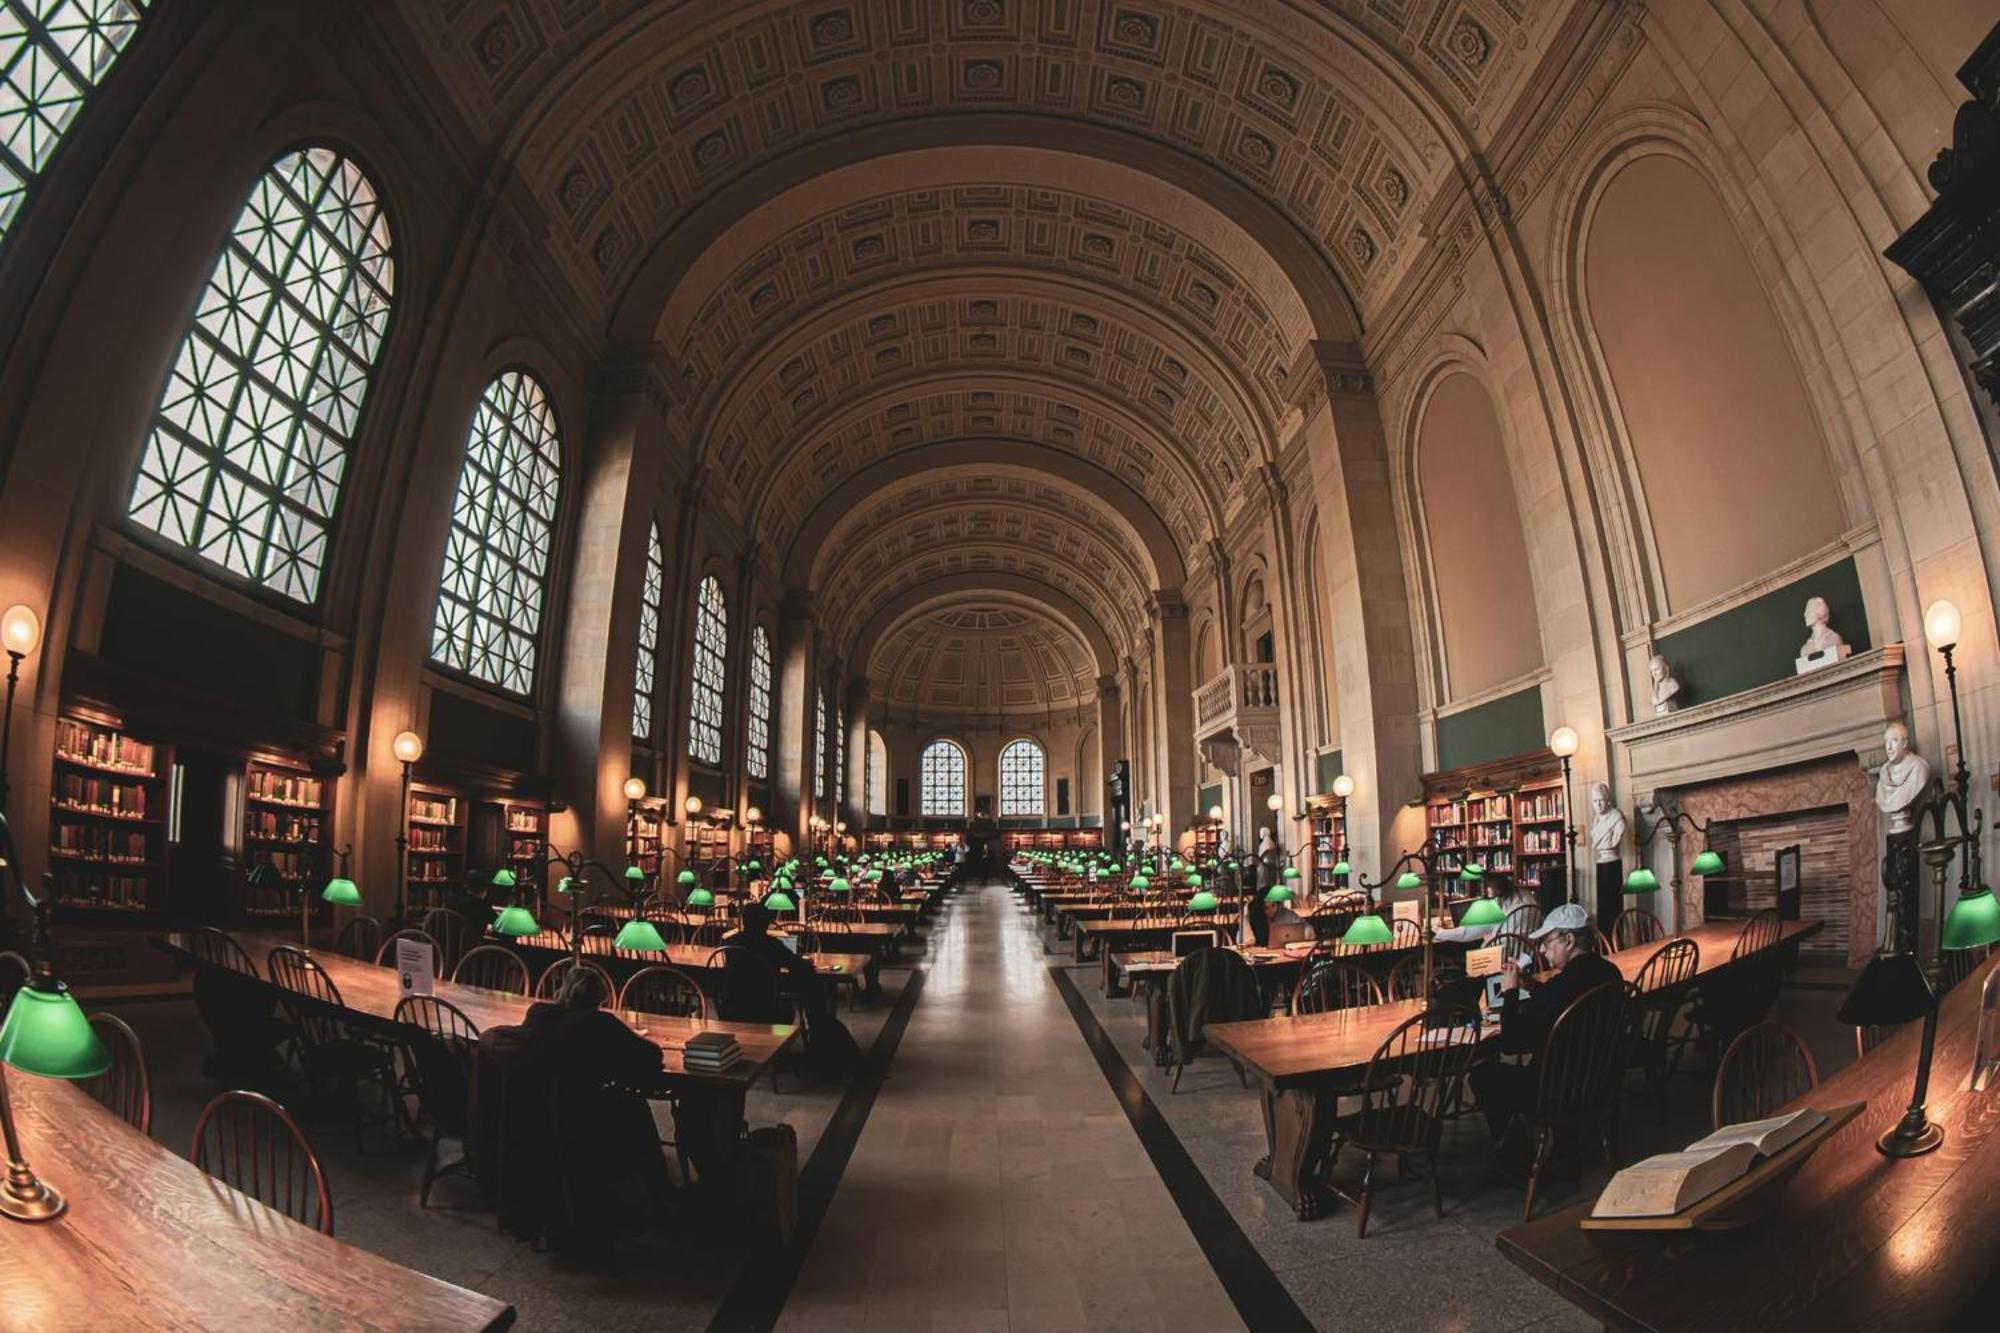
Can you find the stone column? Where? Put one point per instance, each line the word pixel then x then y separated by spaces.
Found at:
pixel 855 808
pixel 793 748
pixel 1362 564
pixel 1174 687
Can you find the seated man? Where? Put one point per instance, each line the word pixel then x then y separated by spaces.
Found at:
pixel 750 1000
pixel 1529 1008
pixel 1517 896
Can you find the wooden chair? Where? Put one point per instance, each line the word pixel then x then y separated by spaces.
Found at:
pixel 386 955
pixel 1636 926
pixel 214 947
pixel 451 932
pixel 125 1089
pixel 747 988
pixel 1405 934
pixel 1731 999
pixel 1576 1075
pixel 1523 920
pixel 552 975
pixel 440 1070
pixel 359 939
pixel 1658 993
pixel 1765 1067
pixel 663 989
pixel 492 967
pixel 1413 1078
pixel 1333 985
pixel 1955 965
pixel 1515 946
pixel 1762 931
pixel 329 1051
pixel 252 1144
pixel 1406 978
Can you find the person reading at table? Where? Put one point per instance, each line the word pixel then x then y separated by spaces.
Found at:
pixel 1529 1007
pixel 1264 914
pixel 1517 896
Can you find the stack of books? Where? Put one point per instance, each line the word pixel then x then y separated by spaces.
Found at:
pixel 709 1052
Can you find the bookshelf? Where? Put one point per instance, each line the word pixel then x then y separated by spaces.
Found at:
pixel 1207 840
pixel 645 825
pixel 526 830
pixel 1539 823
pixel 285 818
pixel 1507 816
pixel 436 830
pixel 1328 819
pixel 108 806
pixel 708 852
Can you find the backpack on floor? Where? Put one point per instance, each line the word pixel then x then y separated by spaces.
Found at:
pixel 831 1051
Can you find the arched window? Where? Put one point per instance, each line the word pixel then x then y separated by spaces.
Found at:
pixel 249 445
pixel 839 756
pixel 941 773
pixel 757 752
pixel 711 650
pixel 649 635
pixel 819 731
pixel 53 55
pixel 1021 769
pixel 496 556
pixel 878 774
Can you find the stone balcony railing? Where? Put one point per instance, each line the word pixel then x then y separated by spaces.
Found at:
pixel 1240 694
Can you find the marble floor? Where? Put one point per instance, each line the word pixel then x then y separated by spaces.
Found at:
pixel 997 1181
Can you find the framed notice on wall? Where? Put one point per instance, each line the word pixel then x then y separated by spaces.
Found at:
pixel 1788 883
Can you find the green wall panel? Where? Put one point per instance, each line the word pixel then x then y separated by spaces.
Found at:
pixel 1326 768
pixel 1509 725
pixel 1207 799
pixel 1756 643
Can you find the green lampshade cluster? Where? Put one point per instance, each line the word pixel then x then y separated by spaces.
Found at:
pixel 1409 879
pixel 1708 863
pixel 503 878
pixel 840 885
pixel 1140 883
pixel 1483 912
pixel 1368 929
pixel 47 1034
pixel 1642 880
pixel 1203 901
pixel 1973 922
pixel 341 892
pixel 514 922
pixel 780 901
pixel 1278 893
pixel 640 936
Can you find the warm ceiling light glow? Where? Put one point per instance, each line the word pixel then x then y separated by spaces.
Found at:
pixel 753 816
pixel 692 805
pixel 409 746
pixel 1274 802
pixel 1343 786
pixel 635 789
pixel 840 826
pixel 20 630
pixel 1941 624
pixel 1563 741
pixel 1215 812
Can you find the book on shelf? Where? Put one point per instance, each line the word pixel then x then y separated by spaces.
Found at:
pixel 82 743
pixel 284 788
pixel 1673 1182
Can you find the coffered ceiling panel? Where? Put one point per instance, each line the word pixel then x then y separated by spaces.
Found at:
pixel 979 659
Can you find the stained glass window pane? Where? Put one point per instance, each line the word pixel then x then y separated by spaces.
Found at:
pixel 496 555
pixel 941 774
pixel 839 756
pixel 244 463
pixel 649 635
pixel 52 53
pixel 757 756
pixel 819 730
pixel 1021 765
pixel 711 650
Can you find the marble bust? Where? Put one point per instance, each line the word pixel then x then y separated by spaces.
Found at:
pixel 1607 824
pixel 1901 785
pixel 1823 647
pixel 1665 687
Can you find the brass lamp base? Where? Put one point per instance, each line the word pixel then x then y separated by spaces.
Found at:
pixel 1904 1141
pixel 29 1200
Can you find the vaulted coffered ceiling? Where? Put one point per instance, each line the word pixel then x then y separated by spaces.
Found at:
pixel 980 659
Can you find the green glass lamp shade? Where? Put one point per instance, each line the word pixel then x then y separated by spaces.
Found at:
pixel 750 867
pixel 1203 901
pixel 1974 921
pixel 1369 929
pixel 1642 880
pixel 1341 867
pixel 1470 873
pixel 820 861
pixel 1708 863
pixel 1409 879
pixel 685 878
pixel 633 874
pixel 563 885
pixel 340 891
pixel 47 1034
pixel 503 878
pixel 1194 883
pixel 515 922
pixel 840 885
pixel 640 936
pixel 1483 912
pixel 1290 872
pixel 700 898
pixel 1278 893
pixel 780 901
pixel 1141 883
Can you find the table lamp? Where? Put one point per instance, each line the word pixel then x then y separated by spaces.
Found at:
pixel 1483 912
pixel 1409 879
pixel 1890 991
pixel 1708 863
pixel 515 921
pixel 780 902
pixel 1643 880
pixel 640 936
pixel 1278 893
pixel 1368 928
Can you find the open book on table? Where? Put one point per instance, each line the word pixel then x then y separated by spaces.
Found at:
pixel 1671 1182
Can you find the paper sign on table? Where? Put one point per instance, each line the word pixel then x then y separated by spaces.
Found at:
pixel 413 966
pixel 1482 962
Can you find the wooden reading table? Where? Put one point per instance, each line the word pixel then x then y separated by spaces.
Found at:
pixel 150 1241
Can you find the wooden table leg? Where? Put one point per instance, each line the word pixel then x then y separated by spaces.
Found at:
pixel 1112 990
pixel 1298 1123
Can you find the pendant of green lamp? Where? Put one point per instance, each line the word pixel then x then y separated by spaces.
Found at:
pixel 1341 867
pixel 341 892
pixel 1203 900
pixel 1409 879
pixel 780 901
pixel 1367 929
pixel 1642 880
pixel 634 876
pixel 45 1033
pixel 693 892
pixel 640 936
pixel 515 921
pixel 1483 912
pixel 840 885
pixel 1973 922
pixel 1708 863
pixel 1278 893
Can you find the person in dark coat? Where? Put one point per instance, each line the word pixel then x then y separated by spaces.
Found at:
pixel 469 900
pixel 748 992
pixel 1529 1008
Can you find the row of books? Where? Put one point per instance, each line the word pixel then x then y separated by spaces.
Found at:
pixel 710 1052
pixel 290 788
pixel 293 865
pixel 97 842
pixel 428 840
pixel 102 795
pixel 1540 805
pixel 443 810
pixel 127 891
pixel 84 743
pixel 1541 842
pixel 281 827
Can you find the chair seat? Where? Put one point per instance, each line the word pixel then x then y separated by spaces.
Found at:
pixel 1400 1129
pixel 348 1058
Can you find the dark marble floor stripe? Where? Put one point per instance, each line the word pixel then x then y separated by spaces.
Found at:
pixel 1259 1296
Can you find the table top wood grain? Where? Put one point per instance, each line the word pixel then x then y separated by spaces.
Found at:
pixel 150 1241
pixel 693 957
pixel 1856 1240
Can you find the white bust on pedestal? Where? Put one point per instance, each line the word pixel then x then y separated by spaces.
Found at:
pixel 1823 647
pixel 1607 824
pixel 1665 687
pixel 1900 786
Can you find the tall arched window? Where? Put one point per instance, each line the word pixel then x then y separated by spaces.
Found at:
pixel 941 774
pixel 819 731
pixel 53 54
pixel 839 756
pixel 496 557
pixel 650 596
pixel 878 774
pixel 1021 770
pixel 711 650
pixel 757 752
pixel 244 463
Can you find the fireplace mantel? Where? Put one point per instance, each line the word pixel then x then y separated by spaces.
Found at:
pixel 1834 710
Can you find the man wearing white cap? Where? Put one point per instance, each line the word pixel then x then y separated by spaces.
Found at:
pixel 1529 1008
